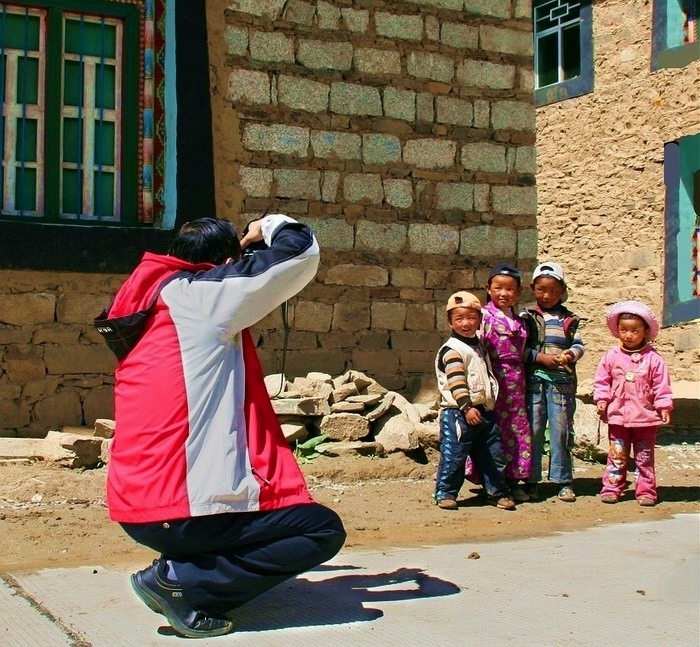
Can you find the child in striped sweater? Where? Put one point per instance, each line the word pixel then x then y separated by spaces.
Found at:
pixel 554 345
pixel 468 392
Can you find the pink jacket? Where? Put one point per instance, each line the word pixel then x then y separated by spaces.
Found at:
pixel 636 387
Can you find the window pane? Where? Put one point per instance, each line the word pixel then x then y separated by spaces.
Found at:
pixel 542 15
pixel 25 189
pixel 25 146
pixel 72 83
pixel 105 87
pixel 27 80
pixel 71 192
pixel 571 51
pixel 90 38
pixel 104 195
pixel 547 60
pixel 71 140
pixel 19 31
pixel 104 143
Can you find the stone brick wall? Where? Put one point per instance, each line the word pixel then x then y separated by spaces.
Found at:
pixel 403 134
pixel 600 183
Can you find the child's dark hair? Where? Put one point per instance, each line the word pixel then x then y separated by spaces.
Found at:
pixel 207 240
pixel 628 316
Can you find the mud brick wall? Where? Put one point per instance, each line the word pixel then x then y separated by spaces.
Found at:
pixel 600 183
pixel 403 134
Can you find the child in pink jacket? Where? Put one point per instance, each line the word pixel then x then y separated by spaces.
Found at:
pixel 633 395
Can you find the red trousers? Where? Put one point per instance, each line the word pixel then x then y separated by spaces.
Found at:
pixel 642 441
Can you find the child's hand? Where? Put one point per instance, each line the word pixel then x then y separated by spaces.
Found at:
pixel 565 358
pixel 602 408
pixel 665 417
pixel 548 361
pixel 473 416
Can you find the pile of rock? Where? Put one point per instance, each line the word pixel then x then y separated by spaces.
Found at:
pixel 355 413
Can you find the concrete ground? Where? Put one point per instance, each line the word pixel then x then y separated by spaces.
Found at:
pixel 636 583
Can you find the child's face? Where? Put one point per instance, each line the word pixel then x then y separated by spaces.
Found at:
pixel 548 291
pixel 504 291
pixel 464 321
pixel 632 332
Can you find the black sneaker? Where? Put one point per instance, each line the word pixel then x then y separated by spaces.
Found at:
pixel 532 491
pixel 166 597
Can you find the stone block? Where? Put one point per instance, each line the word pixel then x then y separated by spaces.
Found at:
pixel 299 12
pixel 400 104
pixel 353 99
pixel 294 183
pixel 430 65
pixel 526 160
pixel 344 426
pixel 404 27
pixel 638 258
pixel 336 145
pixel 366 275
pixel 454 5
pixel 459 35
pixel 256 182
pixel 248 86
pixel 388 315
pixel 236 40
pixel 351 448
pixel 271 47
pixel 375 362
pixel 485 241
pixel 380 149
pixel 24 363
pixel 412 340
pixel 482 114
pixel 62 408
pixel 312 315
pixel 426 238
pixel 380 236
pixel 332 233
pixel 419 361
pixel 104 428
pixel 13 415
pixel 377 61
pixel 425 107
pixel 344 391
pixel 527 243
pixel 494 8
pixel 399 193
pixel 301 407
pixel 277 138
pixel 523 9
pixel 329 186
pixel 458 112
pixel 483 74
pixel 356 20
pixel 484 156
pixel 363 187
pixel 514 200
pixel 79 359
pixel 420 316
pixel 382 408
pixel 505 41
pixel 322 55
pixel 350 316
pixel 513 115
pixel 294 433
pixel 27 309
pixel 396 434
pixel 430 153
pixel 454 195
pixel 407 277
pixel 432 28
pixel 303 94
pixel 261 8
pixel 328 16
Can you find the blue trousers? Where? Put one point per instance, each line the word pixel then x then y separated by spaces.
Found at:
pixel 224 560
pixel 553 403
pixel 459 440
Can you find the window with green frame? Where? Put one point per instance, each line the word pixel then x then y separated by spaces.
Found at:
pixel 675 33
pixel 69 86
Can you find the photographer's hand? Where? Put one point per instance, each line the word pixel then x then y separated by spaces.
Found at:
pixel 253 235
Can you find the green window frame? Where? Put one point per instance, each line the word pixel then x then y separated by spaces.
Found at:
pixel 69 148
pixel 675 33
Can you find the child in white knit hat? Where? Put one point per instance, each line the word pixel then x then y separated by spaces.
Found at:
pixel 632 392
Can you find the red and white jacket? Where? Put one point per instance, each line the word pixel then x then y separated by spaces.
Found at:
pixel 195 430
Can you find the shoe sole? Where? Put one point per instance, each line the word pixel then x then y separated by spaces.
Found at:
pixel 157 604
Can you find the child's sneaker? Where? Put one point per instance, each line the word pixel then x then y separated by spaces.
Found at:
pixel 532 491
pixel 502 501
pixel 447 504
pixel 567 494
pixel 646 501
pixel 609 498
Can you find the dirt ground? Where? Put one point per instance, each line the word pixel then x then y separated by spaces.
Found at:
pixel 56 517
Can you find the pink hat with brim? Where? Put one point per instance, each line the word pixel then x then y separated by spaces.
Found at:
pixel 634 308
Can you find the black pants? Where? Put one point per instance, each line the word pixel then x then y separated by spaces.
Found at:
pixel 224 560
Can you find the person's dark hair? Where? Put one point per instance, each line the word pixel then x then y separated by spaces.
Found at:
pixel 628 316
pixel 206 240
